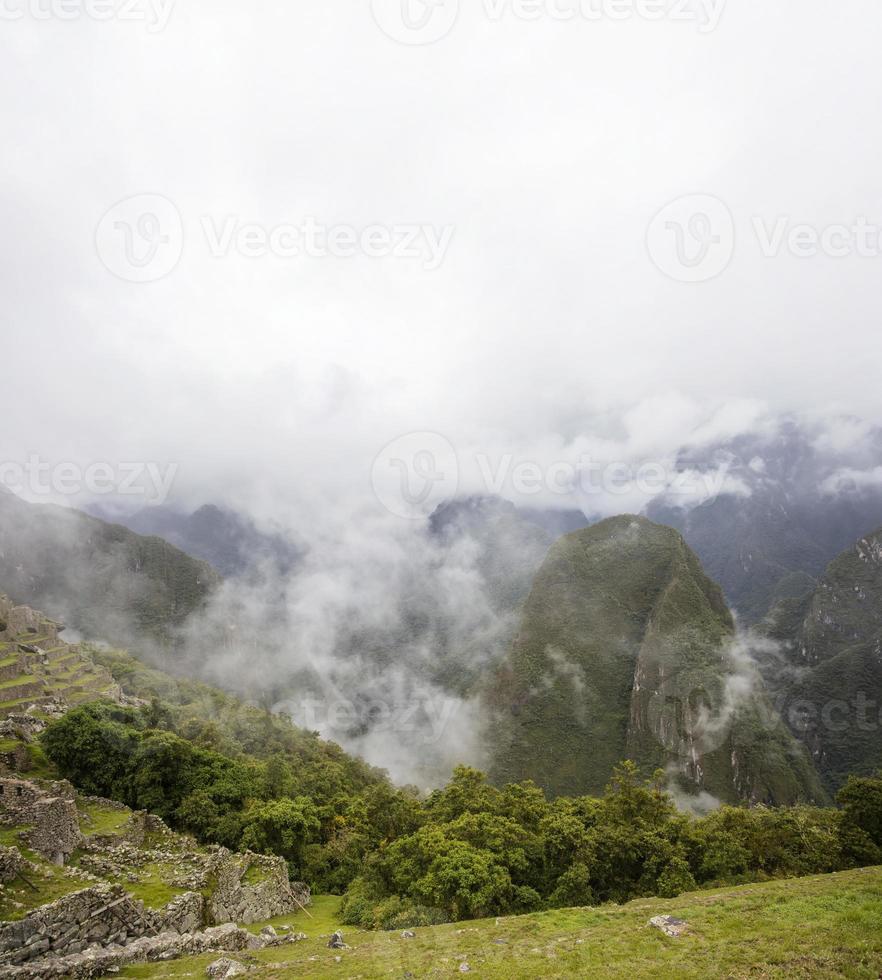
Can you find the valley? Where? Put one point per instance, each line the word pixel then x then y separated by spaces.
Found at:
pixel 635 749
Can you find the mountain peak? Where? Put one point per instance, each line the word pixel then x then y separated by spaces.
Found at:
pixel 625 650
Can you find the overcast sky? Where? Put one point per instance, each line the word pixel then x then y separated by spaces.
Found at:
pixel 525 161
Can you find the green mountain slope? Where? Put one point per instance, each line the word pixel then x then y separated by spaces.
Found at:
pixel 627 650
pixel 103 579
pixel 831 681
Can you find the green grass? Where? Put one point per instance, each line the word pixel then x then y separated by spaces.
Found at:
pixel 9 835
pixel 254 875
pixel 812 928
pixel 102 820
pixel 37 765
pixel 44 884
pixel 18 680
pixel 153 888
pixel 320 919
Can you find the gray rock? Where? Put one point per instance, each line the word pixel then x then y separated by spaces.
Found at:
pixel 669 925
pixel 225 967
pixel 336 941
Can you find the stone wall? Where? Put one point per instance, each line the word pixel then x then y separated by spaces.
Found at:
pixel 249 887
pixel 51 814
pixel 186 913
pixel 97 961
pixel 14 760
pixel 12 863
pixel 17 620
pixel 26 727
pixel 104 914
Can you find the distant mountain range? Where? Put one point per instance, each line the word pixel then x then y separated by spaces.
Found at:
pixel 804 495
pixel 227 540
pixel 105 581
pixel 583 641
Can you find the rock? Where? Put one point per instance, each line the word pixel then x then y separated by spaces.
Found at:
pixel 407 934
pixel 464 968
pixel 11 864
pixel 669 925
pixel 184 913
pixel 336 941
pixel 269 932
pixel 225 967
pixel 250 887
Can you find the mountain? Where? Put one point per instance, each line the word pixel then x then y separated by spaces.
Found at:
pixel 509 546
pixel 828 673
pixel 106 581
pixel 227 540
pixel 626 649
pixel 796 495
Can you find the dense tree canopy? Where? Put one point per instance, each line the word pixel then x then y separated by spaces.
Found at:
pixel 467 850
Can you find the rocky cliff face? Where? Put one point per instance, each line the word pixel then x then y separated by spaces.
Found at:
pixel 627 650
pixel 828 675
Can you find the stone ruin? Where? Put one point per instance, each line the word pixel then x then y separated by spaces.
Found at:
pixel 18 620
pixel 12 864
pixel 41 672
pixel 51 815
pixel 103 927
pixel 98 930
pixel 95 915
pixel 250 887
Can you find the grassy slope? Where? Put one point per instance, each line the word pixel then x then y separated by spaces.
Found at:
pixel 826 926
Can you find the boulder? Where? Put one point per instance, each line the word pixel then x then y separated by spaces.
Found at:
pixel 669 925
pixel 225 967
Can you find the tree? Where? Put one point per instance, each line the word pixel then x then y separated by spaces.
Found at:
pixel 282 827
pixel 465 882
pixel 467 792
pixel 861 801
pixel 93 751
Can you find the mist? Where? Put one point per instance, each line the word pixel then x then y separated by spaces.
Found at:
pixel 290 263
